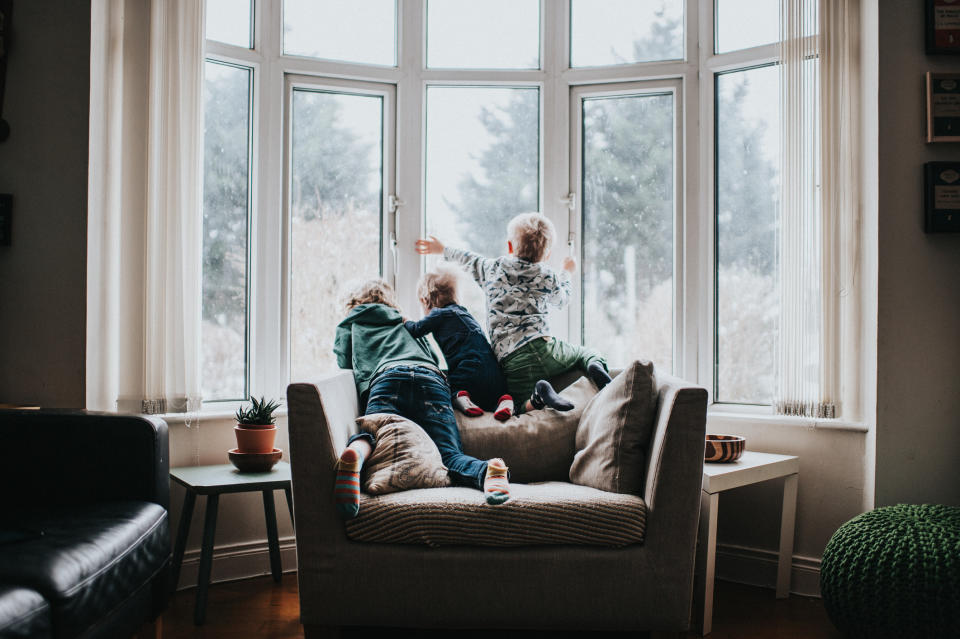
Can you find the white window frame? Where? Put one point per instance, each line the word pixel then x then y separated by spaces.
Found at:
pixel 691 79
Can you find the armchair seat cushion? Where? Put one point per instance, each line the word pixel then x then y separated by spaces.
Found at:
pixel 552 513
pixel 24 614
pixel 90 557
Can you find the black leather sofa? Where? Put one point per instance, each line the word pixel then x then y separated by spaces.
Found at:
pixel 84 524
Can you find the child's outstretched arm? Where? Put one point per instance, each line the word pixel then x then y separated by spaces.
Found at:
pixel 476 265
pixel 561 288
pixel 424 326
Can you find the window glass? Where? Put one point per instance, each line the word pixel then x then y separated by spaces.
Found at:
pixel 336 192
pixel 609 32
pixel 226 197
pixel 741 24
pixel 362 32
pixel 494 34
pixel 228 21
pixel 747 288
pixel 629 206
pixel 483 168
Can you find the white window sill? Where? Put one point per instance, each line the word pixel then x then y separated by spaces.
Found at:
pixel 218 411
pixel 720 415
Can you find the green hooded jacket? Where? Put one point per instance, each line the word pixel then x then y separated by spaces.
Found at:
pixel 372 336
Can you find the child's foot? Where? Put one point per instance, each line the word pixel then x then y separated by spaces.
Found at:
pixel 504 409
pixel 346 489
pixel 466 406
pixel 496 486
pixel 544 395
pixel 598 374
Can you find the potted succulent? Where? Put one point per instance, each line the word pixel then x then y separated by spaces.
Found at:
pixel 256 427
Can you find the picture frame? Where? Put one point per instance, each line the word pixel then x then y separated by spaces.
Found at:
pixel 942 26
pixel 943 107
pixel 941 202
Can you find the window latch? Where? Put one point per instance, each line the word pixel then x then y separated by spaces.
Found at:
pixel 393 203
pixel 570 201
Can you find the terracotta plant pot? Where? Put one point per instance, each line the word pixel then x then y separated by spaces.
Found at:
pixel 255 440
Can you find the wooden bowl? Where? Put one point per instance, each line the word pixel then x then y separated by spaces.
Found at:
pixel 254 462
pixel 723 448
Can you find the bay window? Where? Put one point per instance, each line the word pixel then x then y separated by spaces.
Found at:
pixel 648 131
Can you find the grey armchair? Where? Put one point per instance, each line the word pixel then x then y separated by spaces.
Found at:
pixel 638 587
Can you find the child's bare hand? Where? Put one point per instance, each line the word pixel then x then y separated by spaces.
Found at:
pixel 569 264
pixel 433 246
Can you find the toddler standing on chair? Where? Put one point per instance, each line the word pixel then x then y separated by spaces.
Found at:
pixel 476 381
pixel 520 288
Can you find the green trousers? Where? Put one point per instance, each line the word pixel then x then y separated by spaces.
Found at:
pixel 543 358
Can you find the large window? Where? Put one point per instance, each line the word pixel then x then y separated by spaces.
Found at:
pixel 338 133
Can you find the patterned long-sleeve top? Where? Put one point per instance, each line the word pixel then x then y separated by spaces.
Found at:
pixel 519 294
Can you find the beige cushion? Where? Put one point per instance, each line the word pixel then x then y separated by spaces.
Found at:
pixel 405 457
pixel 614 432
pixel 547 513
pixel 537 446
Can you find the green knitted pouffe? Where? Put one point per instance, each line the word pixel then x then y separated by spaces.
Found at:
pixel 895 572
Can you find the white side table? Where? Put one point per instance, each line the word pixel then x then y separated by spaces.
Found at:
pixel 751 468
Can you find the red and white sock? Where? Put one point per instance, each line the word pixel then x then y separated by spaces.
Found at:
pixel 466 406
pixel 504 408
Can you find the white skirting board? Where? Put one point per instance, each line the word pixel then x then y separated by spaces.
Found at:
pixel 238 561
pixel 758 567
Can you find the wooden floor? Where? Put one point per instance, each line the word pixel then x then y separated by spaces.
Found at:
pixel 261 608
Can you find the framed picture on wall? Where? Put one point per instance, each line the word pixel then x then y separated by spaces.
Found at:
pixel 941 201
pixel 943 26
pixel 943 107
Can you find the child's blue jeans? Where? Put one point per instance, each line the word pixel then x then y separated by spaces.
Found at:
pixel 421 395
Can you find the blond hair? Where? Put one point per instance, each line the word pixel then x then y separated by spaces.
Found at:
pixel 376 291
pixel 531 235
pixel 438 288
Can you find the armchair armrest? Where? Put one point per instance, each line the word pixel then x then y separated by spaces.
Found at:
pixel 69 457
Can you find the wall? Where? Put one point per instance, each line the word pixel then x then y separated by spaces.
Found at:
pixel 44 165
pixel 918 341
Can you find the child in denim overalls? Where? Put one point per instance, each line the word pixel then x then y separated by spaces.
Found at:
pixel 476 381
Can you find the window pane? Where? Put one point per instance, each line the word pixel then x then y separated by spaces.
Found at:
pixel 336 187
pixel 742 24
pixel 628 218
pixel 228 21
pixel 747 295
pixel 606 32
pixel 494 34
pixel 363 32
pixel 226 188
pixel 483 168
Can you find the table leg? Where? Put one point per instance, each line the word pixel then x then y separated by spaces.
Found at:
pixel 286 491
pixel 186 516
pixel 269 510
pixel 206 559
pixel 787 521
pixel 706 562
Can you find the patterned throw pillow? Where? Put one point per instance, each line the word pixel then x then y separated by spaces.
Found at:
pixel 614 433
pixel 405 456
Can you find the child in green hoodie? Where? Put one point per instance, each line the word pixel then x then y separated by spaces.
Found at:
pixel 398 374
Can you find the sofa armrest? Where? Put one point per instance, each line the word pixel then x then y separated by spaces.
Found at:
pixel 68 457
pixel 320 418
pixel 675 467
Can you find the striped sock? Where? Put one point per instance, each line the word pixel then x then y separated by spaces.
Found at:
pixel 346 489
pixel 496 486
